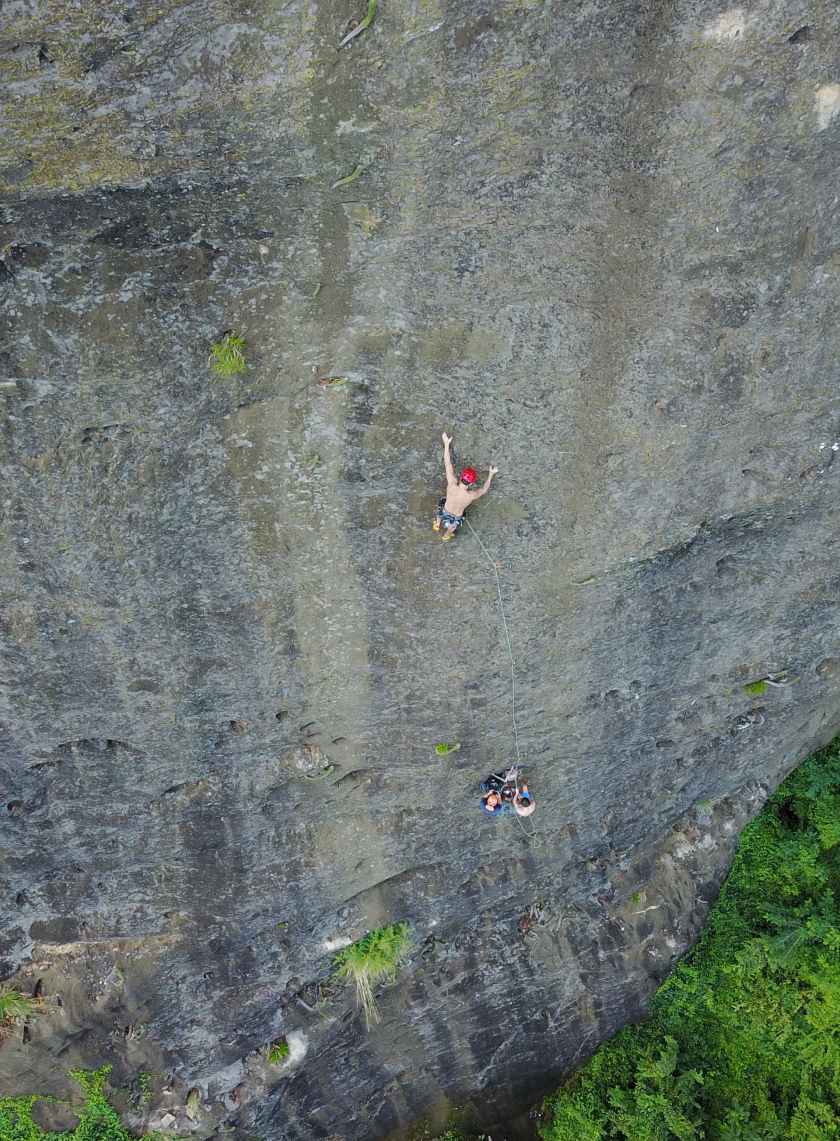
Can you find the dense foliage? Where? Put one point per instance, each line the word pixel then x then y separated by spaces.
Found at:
pixel 744 1039
pixel 98 1120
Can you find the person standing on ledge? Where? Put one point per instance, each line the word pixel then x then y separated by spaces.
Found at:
pixel 460 493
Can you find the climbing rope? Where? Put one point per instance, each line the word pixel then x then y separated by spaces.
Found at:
pixel 507 639
pixel 532 834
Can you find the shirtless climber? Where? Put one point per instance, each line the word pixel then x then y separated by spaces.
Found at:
pixel 523 802
pixel 459 494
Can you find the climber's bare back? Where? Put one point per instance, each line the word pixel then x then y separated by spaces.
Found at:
pixel 458 497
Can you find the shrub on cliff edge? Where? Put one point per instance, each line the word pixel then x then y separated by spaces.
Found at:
pixel 744 1038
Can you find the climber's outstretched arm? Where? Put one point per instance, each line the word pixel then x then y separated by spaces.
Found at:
pixel 447 460
pixel 486 488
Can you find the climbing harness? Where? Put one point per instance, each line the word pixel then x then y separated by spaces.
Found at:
pixel 532 833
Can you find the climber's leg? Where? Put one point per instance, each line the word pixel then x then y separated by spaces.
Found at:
pixel 447 520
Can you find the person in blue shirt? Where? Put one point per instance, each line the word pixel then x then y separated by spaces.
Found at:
pixel 498 795
pixel 492 803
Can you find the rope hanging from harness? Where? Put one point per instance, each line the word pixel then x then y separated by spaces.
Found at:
pixel 511 776
pixel 507 639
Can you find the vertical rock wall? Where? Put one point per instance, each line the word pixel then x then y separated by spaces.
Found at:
pixel 596 241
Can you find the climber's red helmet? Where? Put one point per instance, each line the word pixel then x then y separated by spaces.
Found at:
pixel 468 476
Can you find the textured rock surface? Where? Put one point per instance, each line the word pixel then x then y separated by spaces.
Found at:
pixel 598 241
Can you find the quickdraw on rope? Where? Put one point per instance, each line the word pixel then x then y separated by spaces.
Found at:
pixel 532 834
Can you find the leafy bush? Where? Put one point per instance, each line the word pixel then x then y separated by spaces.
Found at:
pixel 372 959
pixel 228 357
pixel 744 1038
pixel 98 1120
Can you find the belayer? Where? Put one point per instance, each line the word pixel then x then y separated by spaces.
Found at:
pixel 460 493
pixel 503 792
pixel 498 794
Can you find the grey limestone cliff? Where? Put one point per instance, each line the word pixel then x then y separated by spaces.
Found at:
pixel 596 240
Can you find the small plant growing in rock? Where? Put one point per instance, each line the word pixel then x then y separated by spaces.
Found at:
pixel 277 1051
pixel 228 357
pixel 141 1089
pixel 15 1008
pixel 98 1119
pixel 779 680
pixel 443 749
pixel 372 959
pixel 356 27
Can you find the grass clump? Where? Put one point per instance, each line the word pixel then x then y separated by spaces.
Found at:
pixel 228 357
pixel 375 958
pixel 277 1051
pixel 16 1008
pixel 744 1039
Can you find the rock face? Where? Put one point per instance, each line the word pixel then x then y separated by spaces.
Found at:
pixel 597 241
